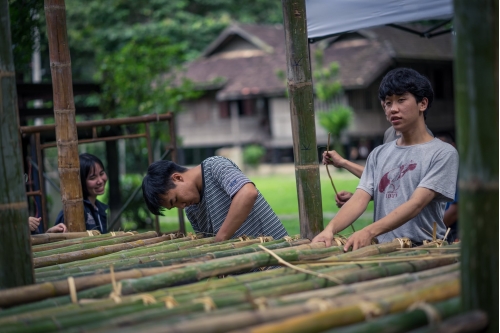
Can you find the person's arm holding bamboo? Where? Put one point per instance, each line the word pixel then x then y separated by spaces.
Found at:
pixel 334 158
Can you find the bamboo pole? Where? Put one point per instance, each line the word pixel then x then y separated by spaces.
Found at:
pixel 95 252
pixel 476 100
pixel 68 242
pixel 302 116
pixel 15 250
pixel 103 242
pixel 64 115
pixel 472 321
pixel 58 237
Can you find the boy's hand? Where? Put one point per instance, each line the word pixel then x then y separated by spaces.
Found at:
pixel 333 158
pixel 359 239
pixel 342 197
pixel 61 227
pixel 34 222
pixel 324 236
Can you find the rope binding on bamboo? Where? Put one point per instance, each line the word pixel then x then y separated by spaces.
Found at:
pixel 433 316
pixel 320 303
pixel 146 299
pixel 260 303
pixel 170 302
pixel 116 294
pixel 404 242
pixel 370 309
pixel 208 303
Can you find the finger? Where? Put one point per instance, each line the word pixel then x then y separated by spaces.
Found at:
pixel 348 244
pixel 328 242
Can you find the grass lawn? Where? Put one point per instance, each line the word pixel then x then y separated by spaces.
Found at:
pixel 281 193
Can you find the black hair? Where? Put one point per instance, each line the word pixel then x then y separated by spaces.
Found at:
pixel 401 80
pixel 446 137
pixel 158 181
pixel 87 165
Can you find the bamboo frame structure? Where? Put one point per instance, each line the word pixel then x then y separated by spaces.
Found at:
pixel 476 100
pixel 64 114
pixel 300 90
pixel 94 125
pixel 15 246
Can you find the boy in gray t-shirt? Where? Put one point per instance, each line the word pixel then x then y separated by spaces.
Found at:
pixel 409 179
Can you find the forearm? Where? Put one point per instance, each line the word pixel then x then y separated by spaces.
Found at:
pixel 349 212
pixel 400 215
pixel 241 206
pixel 451 215
pixel 353 168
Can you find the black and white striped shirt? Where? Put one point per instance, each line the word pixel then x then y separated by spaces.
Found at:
pixel 222 179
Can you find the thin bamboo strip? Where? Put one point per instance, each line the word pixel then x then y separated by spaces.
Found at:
pixel 68 242
pixel 370 250
pixel 55 237
pixel 104 242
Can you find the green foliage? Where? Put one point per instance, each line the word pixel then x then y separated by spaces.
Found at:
pixel 132 79
pixel 253 154
pixel 337 119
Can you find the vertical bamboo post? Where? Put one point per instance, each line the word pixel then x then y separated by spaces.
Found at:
pixel 476 100
pixel 16 268
pixel 173 147
pixel 64 114
pixel 302 114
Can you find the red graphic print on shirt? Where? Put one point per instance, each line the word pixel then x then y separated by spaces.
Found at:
pixel 390 180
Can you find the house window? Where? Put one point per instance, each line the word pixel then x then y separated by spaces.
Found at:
pixel 248 107
pixel 224 110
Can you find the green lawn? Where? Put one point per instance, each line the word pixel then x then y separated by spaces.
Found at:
pixel 281 193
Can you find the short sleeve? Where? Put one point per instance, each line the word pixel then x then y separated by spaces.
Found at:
pixel 228 176
pixel 366 182
pixel 442 175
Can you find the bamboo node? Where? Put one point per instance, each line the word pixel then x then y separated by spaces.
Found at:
pixel 404 242
pixel 322 304
pixel 370 309
pixel 72 290
pixel 170 302
pixel 260 303
pixel 433 316
pixel 208 303
pixel 146 299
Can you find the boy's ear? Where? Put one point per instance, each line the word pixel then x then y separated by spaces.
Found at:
pixel 423 104
pixel 177 177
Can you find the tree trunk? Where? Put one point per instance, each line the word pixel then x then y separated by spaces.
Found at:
pixel 15 246
pixel 302 115
pixel 476 93
pixel 64 114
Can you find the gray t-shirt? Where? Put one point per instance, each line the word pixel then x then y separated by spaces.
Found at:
pixel 393 173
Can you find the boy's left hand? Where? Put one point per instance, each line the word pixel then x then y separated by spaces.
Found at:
pixel 359 239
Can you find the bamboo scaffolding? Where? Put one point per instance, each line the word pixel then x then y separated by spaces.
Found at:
pixel 56 237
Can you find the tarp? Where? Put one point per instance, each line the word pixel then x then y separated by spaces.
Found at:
pixel 329 17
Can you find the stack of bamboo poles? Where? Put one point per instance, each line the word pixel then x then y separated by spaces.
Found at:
pixel 172 283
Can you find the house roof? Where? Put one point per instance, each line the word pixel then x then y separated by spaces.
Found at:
pixel 249 57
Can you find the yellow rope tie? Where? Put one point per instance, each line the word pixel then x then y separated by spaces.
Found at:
pixel 191 235
pixel 72 290
pixel 260 303
pixel 433 316
pixel 130 232
pixel 113 234
pixel 90 233
pixel 288 239
pixel 170 302
pixel 320 303
pixel 261 239
pixel 146 299
pixel 172 236
pixel 404 242
pixel 208 303
pixel 369 309
pixel 281 261
pixel 241 239
pixel 116 294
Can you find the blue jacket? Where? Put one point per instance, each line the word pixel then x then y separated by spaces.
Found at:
pixel 94 220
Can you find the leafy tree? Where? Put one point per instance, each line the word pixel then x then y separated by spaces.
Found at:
pixel 328 89
pixel 253 154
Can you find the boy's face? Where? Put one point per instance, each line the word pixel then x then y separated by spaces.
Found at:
pixel 403 111
pixel 184 194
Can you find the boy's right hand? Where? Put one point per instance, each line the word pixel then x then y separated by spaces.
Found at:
pixel 324 236
pixel 342 197
pixel 34 222
pixel 333 158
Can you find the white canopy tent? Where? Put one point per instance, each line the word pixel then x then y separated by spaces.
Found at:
pixel 330 17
